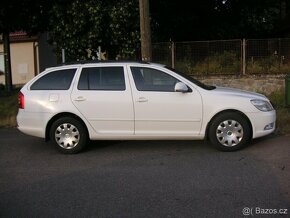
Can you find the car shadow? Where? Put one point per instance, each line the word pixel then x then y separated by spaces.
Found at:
pixel 142 145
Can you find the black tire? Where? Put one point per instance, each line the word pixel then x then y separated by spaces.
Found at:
pixel 229 131
pixel 69 135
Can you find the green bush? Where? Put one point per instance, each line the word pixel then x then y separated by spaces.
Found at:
pixel 271 64
pixel 227 62
pixel 8 109
pixel 2 88
pixel 283 113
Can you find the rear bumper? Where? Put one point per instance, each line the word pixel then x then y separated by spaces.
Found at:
pixel 32 123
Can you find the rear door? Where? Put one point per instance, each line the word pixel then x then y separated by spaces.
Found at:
pixel 103 96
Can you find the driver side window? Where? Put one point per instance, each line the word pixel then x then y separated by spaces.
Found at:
pixel 148 79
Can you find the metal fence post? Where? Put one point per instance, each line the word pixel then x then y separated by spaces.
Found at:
pixel 172 54
pixel 244 43
pixel 99 53
pixel 63 55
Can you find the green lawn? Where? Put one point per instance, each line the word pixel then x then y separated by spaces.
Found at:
pixel 8 108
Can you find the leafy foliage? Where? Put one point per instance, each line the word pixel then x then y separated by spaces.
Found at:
pixel 27 15
pixel 77 26
pixel 124 28
pixel 219 19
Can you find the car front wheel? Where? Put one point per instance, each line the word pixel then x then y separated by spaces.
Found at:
pixel 69 135
pixel 229 131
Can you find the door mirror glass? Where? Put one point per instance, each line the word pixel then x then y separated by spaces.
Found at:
pixel 180 87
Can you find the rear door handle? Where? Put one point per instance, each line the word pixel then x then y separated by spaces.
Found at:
pixel 142 99
pixel 80 98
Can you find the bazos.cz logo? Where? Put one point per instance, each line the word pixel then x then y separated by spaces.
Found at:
pixel 262 211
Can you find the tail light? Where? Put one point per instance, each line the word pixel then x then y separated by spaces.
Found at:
pixel 21 100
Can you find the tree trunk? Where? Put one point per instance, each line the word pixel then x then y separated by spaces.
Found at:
pixel 7 61
pixel 145 31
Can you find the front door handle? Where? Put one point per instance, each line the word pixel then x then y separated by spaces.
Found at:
pixel 142 99
pixel 80 98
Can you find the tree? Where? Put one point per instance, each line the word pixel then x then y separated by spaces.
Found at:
pixel 145 30
pixel 219 19
pixel 182 20
pixel 7 61
pixel 124 29
pixel 249 18
pixel 77 26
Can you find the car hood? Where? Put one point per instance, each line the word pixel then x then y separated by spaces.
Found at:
pixel 238 92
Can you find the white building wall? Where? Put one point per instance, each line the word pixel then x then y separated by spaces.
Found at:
pixel 22 62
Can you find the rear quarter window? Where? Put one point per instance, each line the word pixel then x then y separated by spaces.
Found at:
pixel 102 78
pixel 56 80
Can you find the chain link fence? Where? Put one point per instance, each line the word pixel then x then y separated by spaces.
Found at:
pixel 162 53
pixel 268 56
pixel 250 56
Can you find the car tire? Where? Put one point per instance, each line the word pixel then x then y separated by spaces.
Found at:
pixel 229 131
pixel 69 135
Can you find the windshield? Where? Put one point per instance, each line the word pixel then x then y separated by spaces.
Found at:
pixel 196 82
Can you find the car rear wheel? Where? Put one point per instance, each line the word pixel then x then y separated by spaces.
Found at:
pixel 229 131
pixel 69 135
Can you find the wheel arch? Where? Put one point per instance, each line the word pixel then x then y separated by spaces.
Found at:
pixel 228 111
pixel 57 116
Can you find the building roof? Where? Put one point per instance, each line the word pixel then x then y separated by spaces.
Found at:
pixel 20 36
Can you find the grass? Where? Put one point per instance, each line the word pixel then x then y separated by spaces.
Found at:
pixel 283 121
pixel 283 113
pixel 9 108
pixel 271 65
pixel 227 62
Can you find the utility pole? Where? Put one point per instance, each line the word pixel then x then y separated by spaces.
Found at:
pixel 146 51
pixel 7 61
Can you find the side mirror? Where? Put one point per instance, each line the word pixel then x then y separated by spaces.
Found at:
pixel 180 87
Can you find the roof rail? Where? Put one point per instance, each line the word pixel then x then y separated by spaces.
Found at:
pixel 101 61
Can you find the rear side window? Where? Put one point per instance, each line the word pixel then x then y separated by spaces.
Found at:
pixel 56 80
pixel 102 78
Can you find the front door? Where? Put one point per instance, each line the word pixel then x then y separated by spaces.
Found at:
pixel 161 111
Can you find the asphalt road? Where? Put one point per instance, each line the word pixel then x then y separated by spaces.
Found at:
pixel 143 179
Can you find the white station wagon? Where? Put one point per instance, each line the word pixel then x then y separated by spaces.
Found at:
pixel 71 104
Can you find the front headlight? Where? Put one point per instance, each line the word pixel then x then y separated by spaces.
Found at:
pixel 262 105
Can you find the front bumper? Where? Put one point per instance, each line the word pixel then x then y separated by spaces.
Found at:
pixel 263 123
